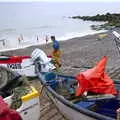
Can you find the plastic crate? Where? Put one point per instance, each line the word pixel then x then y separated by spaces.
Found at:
pixel 30 108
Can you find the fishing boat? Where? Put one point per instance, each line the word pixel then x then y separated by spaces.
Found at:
pixel 90 107
pixel 28 106
pixel 91 104
pixel 21 64
pixel 24 65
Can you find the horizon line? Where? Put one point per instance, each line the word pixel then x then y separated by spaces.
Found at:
pixel 96 1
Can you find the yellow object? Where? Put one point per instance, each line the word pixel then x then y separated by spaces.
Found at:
pixel 101 36
pixel 30 107
pixel 31 95
pixel 56 57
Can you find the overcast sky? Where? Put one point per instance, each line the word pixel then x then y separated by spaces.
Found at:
pixel 60 0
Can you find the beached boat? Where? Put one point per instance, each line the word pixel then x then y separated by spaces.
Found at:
pixel 91 106
pixel 25 65
pixel 28 106
pixel 21 64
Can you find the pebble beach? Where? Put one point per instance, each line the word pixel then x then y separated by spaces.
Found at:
pixel 80 52
pixel 77 54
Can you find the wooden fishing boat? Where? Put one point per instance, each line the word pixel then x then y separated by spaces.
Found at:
pixel 100 103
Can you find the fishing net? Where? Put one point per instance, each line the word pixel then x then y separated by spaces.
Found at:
pixel 21 90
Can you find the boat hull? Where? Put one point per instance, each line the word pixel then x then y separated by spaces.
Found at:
pixel 68 112
pixel 68 108
pixel 23 67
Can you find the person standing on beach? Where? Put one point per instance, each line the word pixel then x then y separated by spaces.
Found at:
pixel 20 39
pixel 56 52
pixel 37 39
pixel 46 39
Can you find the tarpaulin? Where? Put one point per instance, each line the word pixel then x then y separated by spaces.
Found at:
pixel 95 80
pixel 6 113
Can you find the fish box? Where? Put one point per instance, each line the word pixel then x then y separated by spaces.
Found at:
pixel 30 107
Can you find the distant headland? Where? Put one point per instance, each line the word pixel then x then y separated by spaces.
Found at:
pixel 111 20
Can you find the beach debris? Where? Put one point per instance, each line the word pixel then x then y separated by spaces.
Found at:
pixel 101 36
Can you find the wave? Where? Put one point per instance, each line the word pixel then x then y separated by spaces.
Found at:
pixel 76 34
pixel 7 30
pixel 30 42
pixel 41 27
pixel 20 47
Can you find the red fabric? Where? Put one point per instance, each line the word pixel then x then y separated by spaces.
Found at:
pixel 14 115
pixel 95 80
pixel 49 56
pixel 6 113
pixel 13 59
pixel 3 107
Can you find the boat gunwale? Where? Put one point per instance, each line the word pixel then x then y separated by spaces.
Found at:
pixel 69 104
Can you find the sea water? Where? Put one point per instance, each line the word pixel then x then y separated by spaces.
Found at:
pixel 33 21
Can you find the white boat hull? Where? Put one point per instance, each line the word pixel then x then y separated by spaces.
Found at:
pixel 25 68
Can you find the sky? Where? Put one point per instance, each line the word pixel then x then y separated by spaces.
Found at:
pixel 60 0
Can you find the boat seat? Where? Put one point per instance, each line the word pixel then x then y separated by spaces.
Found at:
pixel 100 97
pixel 93 98
pixel 85 104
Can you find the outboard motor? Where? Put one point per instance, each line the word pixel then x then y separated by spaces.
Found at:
pixel 41 61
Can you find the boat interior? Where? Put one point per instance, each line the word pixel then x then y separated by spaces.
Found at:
pixel 105 104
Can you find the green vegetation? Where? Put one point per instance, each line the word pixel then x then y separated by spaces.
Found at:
pixel 112 20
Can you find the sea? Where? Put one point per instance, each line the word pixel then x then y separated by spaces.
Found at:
pixel 33 22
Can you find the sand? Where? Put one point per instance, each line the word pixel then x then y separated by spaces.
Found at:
pixel 81 52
